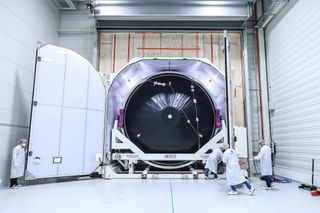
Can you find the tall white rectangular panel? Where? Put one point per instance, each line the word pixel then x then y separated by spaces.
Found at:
pixel 76 82
pixel 72 141
pixel 293 55
pixel 49 87
pixel 67 124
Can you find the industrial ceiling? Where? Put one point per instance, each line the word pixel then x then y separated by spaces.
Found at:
pixel 165 14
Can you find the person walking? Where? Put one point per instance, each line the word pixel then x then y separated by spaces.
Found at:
pixel 233 171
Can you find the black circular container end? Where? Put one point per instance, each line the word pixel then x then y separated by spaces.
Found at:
pixel 169 113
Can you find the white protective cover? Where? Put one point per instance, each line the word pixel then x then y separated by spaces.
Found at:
pixel 67 119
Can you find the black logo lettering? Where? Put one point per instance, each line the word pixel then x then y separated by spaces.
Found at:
pixel 171 156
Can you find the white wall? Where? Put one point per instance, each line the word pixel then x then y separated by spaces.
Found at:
pixel 78 32
pixel 23 24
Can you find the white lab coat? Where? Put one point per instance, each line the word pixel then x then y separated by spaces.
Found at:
pixel 233 171
pixel 265 160
pixel 213 160
pixel 18 161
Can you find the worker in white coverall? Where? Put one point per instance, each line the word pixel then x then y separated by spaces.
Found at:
pixel 233 171
pixel 18 163
pixel 265 163
pixel 212 162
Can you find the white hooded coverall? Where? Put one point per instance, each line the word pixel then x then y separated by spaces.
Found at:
pixel 18 162
pixel 265 160
pixel 233 171
pixel 213 160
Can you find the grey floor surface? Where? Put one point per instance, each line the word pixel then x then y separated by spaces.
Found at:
pixel 154 196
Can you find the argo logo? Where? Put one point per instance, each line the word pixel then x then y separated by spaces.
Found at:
pixel 171 156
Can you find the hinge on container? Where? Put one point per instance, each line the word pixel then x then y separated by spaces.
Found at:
pixel 35 103
pixel 38 58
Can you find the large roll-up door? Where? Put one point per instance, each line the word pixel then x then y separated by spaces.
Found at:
pixel 293 54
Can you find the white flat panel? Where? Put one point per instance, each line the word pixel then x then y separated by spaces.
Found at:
pixel 44 140
pixel 94 140
pixel 50 76
pixel 76 81
pixel 96 91
pixel 241 143
pixel 293 51
pixel 61 84
pixel 72 141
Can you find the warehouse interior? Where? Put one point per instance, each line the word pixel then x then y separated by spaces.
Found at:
pixel 75 77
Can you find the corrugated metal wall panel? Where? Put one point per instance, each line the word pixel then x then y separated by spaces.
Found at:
pixel 293 53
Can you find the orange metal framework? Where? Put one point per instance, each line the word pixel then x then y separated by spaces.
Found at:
pixel 114 52
pixel 197 44
pixel 211 47
pixel 129 45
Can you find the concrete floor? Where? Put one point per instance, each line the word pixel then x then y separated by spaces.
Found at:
pixel 154 196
